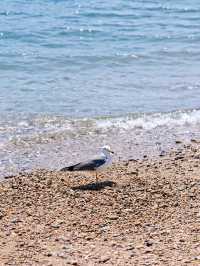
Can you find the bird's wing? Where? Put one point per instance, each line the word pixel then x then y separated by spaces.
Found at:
pixel 89 165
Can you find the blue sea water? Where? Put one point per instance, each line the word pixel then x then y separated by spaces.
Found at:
pixel 63 60
pixel 91 58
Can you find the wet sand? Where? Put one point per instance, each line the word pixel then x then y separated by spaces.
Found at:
pixel 143 212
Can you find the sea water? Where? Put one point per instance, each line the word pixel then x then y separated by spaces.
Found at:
pixel 74 73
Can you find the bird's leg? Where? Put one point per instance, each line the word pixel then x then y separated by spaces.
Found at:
pixel 145 187
pixel 96 177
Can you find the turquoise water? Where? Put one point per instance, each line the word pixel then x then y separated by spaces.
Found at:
pixel 92 58
pixel 70 69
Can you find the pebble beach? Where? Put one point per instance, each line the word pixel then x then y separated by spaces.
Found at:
pixel 79 75
pixel 143 212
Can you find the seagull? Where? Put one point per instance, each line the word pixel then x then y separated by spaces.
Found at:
pixel 97 164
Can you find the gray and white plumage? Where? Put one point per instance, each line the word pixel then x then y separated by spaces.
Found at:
pixel 97 164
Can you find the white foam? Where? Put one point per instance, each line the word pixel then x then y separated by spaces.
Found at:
pixel 48 129
pixel 151 121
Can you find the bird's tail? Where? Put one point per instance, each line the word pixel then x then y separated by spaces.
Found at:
pixel 68 168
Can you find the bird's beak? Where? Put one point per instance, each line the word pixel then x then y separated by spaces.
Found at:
pixel 112 152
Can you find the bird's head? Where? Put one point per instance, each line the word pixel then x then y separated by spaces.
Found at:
pixel 107 149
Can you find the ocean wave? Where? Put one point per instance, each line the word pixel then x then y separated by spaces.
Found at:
pixel 172 8
pixel 46 129
pixel 150 121
pixel 30 142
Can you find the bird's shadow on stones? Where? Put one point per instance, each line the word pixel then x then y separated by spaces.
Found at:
pixel 95 186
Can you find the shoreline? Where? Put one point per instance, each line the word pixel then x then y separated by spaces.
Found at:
pixel 54 144
pixel 143 212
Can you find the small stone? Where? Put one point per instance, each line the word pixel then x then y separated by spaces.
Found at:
pixel 1 215
pixel 147 251
pixel 148 243
pixel 9 176
pixel 113 217
pixel 132 160
pixel 194 140
pixel 196 156
pixel 162 153
pixel 88 238
pixel 133 173
pixel 15 220
pixel 49 182
pixel 62 255
pixel 130 248
pixel 66 247
pixel 104 259
pixel 55 226
pixel 22 244
pixel 179 158
pixel 197 258
pixel 75 263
